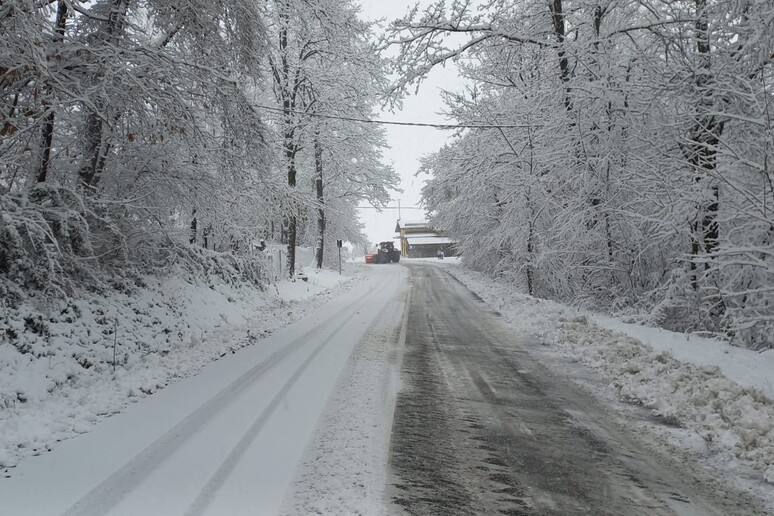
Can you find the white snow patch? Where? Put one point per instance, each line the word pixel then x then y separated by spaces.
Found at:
pixel 746 367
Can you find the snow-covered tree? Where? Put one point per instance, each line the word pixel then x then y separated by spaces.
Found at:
pixel 326 77
pixel 121 118
pixel 632 166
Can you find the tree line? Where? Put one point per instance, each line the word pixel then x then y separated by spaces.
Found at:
pixel 632 167
pixel 151 132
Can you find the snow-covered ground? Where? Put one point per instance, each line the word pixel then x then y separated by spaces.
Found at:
pixel 344 469
pixel 748 368
pixel 64 383
pixel 228 440
pixel 706 398
pixel 327 411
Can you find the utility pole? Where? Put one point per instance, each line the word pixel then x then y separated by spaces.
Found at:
pixel 339 244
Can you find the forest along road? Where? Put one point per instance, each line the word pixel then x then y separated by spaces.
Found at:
pixel 482 428
pixel 224 442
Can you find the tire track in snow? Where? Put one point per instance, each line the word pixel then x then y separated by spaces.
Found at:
pixel 216 481
pixel 111 491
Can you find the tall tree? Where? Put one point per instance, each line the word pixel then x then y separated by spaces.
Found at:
pixel 325 70
pixel 622 174
pixel 117 124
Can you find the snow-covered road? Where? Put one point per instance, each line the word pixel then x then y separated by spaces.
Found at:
pixel 226 441
pixel 486 419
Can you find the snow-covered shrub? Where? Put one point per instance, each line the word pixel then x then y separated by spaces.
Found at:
pixel 43 232
pixel 230 268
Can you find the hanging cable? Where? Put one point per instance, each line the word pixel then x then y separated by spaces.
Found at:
pixel 389 122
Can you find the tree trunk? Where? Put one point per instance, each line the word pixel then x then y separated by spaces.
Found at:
pixel 192 231
pixel 290 155
pixel 704 139
pixel 530 272
pixel 557 17
pixel 96 146
pixel 530 249
pixel 48 125
pixel 318 163
pixel 288 134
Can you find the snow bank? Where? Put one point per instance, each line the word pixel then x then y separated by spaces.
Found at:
pixel 64 366
pixel 680 378
pixel 746 367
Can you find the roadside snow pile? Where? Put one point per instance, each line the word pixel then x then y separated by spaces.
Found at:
pixel 57 372
pixel 746 367
pixel 735 421
pixel 727 416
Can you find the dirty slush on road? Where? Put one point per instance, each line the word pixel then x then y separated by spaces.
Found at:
pixel 481 428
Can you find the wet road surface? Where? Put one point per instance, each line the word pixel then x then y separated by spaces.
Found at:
pixel 481 427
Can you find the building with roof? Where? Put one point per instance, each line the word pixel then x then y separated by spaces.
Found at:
pixel 419 240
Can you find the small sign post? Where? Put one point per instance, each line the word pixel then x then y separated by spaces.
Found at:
pixel 339 244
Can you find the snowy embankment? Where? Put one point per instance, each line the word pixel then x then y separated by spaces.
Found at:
pixel 57 372
pixel 708 388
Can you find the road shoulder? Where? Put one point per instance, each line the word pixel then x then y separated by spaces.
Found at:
pixel 344 467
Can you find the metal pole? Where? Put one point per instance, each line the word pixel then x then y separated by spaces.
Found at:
pixel 339 261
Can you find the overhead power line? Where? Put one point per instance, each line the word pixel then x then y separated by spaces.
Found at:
pixel 391 122
pixel 389 208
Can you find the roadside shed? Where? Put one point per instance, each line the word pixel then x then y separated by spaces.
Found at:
pixel 419 240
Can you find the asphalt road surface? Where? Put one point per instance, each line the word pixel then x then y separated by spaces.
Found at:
pixel 482 428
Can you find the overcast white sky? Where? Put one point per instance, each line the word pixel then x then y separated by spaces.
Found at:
pixel 408 144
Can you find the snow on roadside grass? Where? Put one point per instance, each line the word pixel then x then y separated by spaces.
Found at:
pixel 57 378
pixel 735 421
